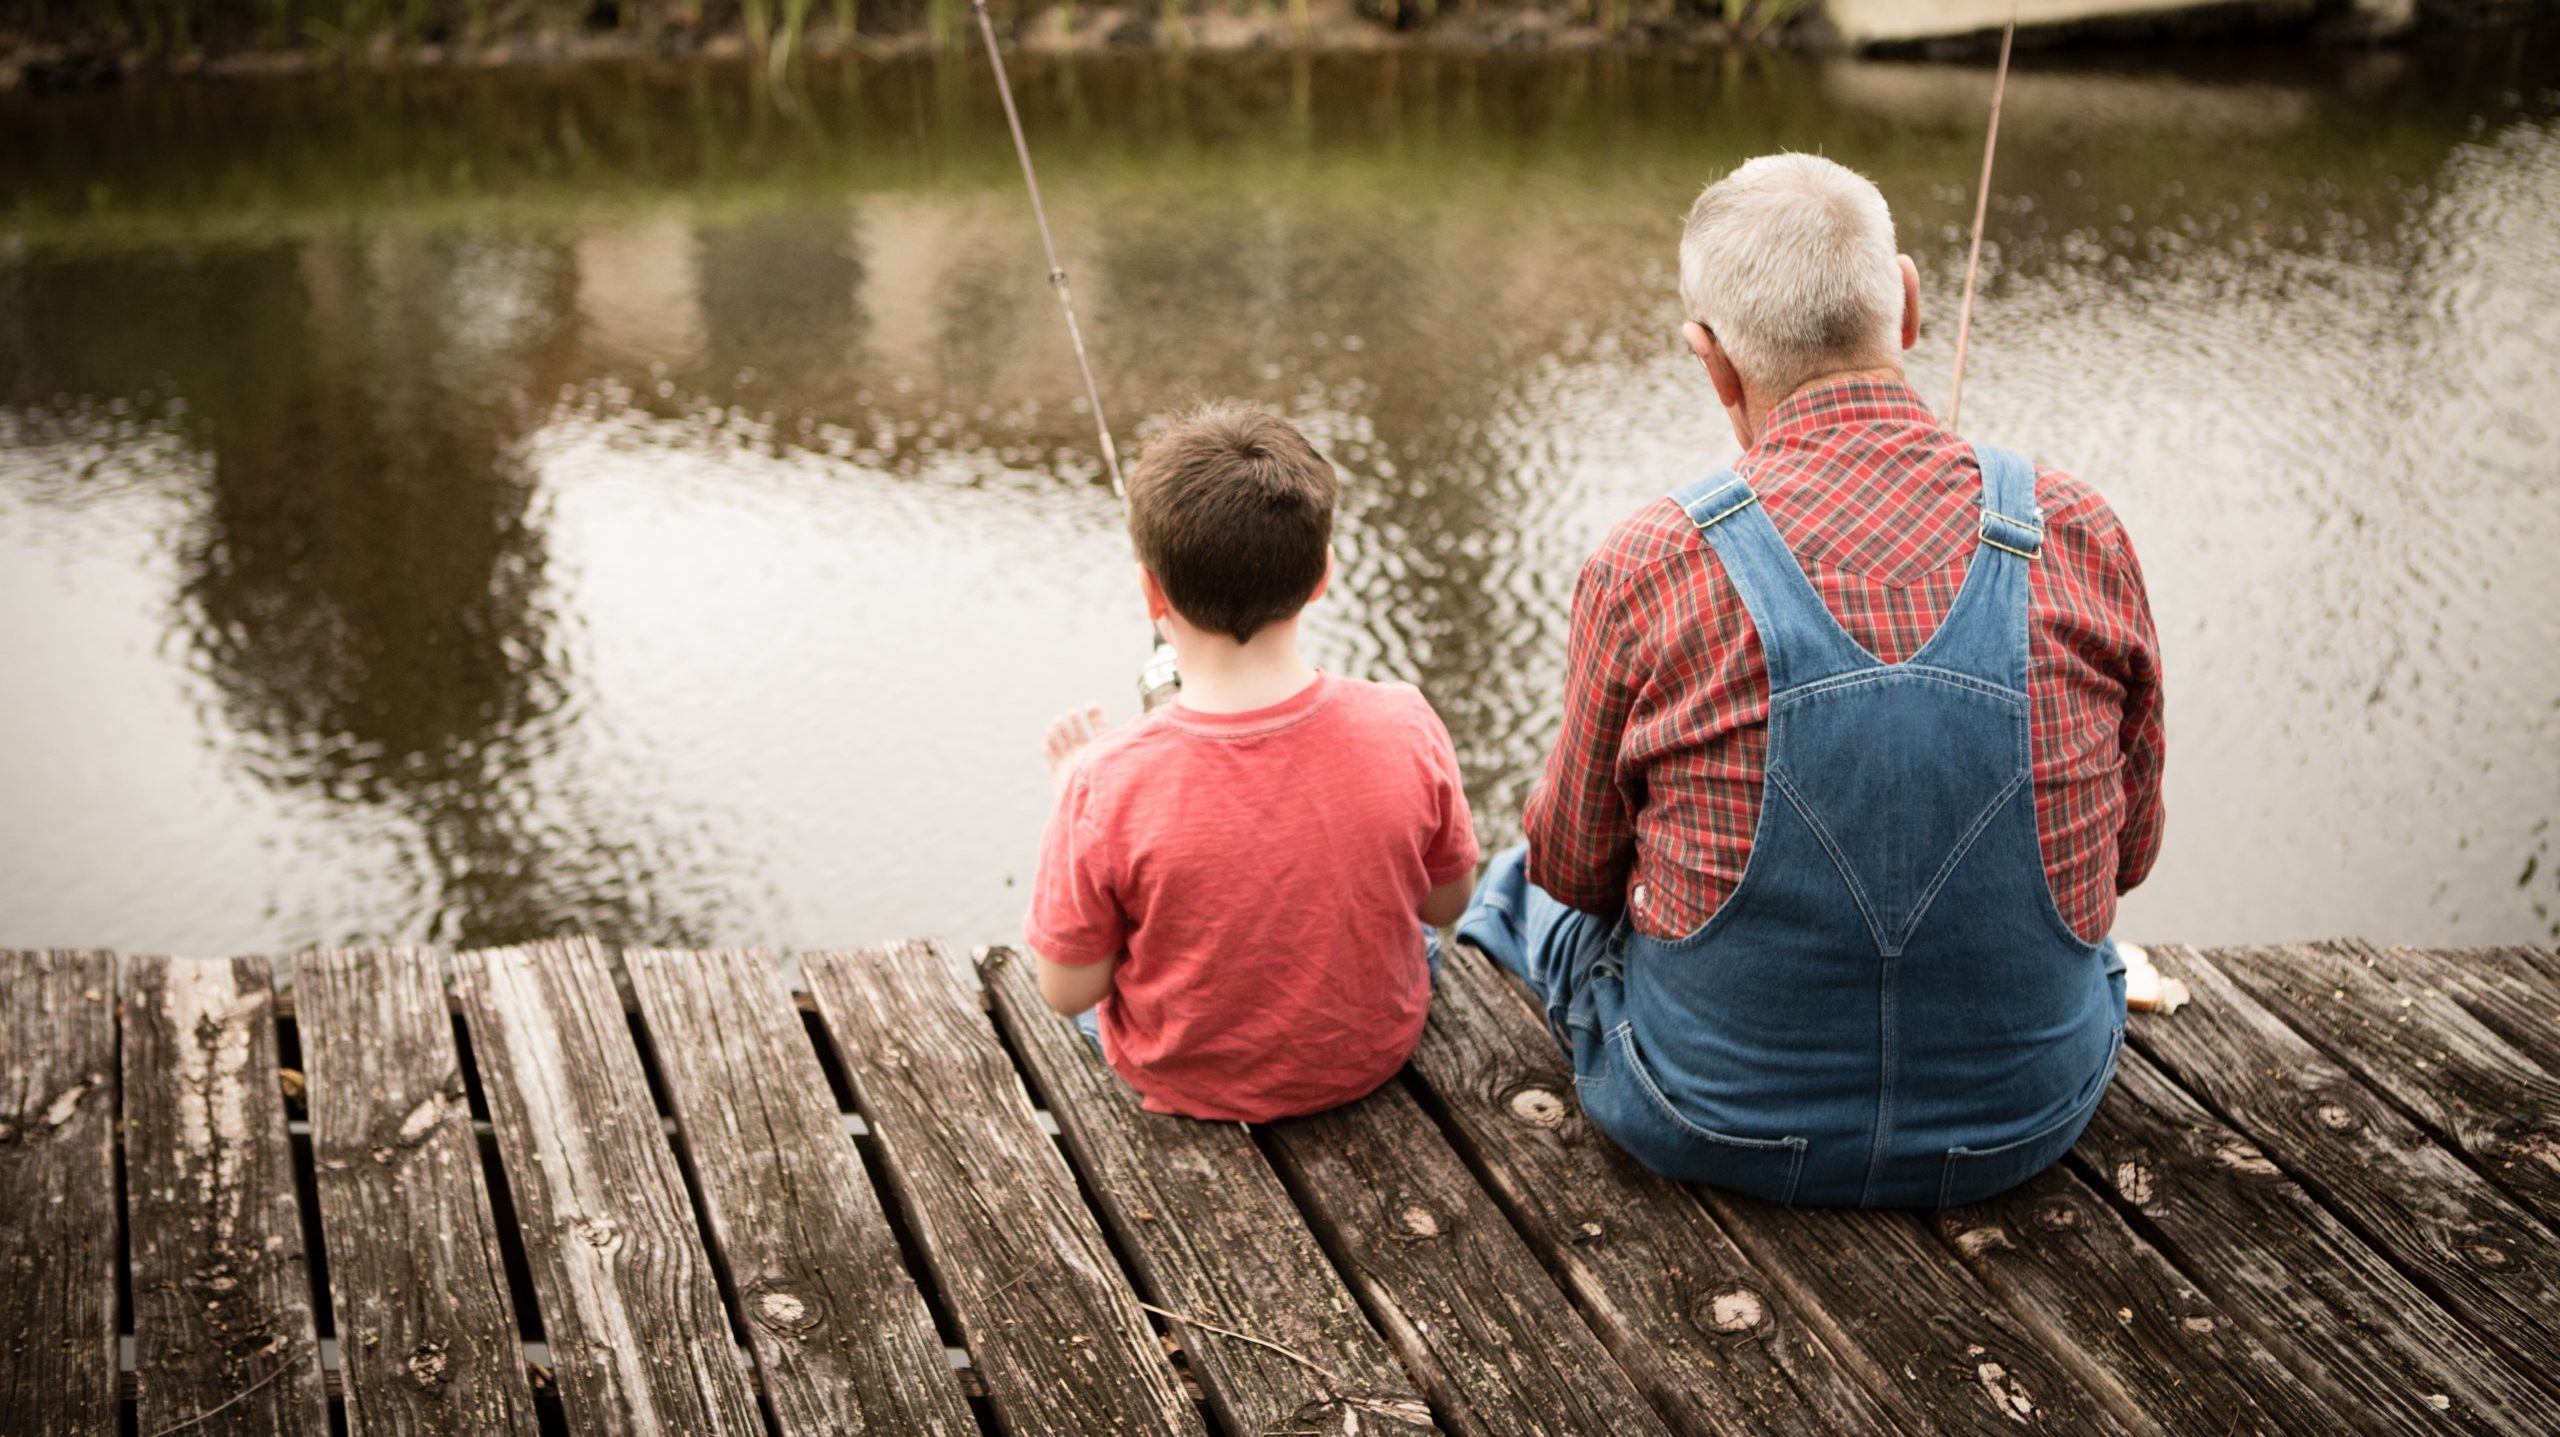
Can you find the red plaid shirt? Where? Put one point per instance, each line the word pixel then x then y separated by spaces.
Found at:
pixel 1653 791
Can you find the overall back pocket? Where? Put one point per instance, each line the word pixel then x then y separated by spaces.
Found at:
pixel 1623 1100
pixel 1976 1173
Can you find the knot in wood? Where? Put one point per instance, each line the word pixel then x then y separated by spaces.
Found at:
pixel 2486 1254
pixel 782 1311
pixel 2242 1157
pixel 1416 1221
pixel 2057 1214
pixel 428 1364
pixel 2198 1324
pixel 1974 1241
pixel 597 1231
pixel 2135 1182
pixel 1536 1106
pixel 1735 1311
pixel 2337 1117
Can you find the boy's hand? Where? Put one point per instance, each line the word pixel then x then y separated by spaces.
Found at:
pixel 1068 737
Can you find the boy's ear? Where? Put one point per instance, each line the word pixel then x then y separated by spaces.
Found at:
pixel 1157 606
pixel 1326 581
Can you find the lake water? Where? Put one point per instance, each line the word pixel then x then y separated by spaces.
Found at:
pixel 464 507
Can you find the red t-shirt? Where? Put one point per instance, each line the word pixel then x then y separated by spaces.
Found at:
pixel 1264 872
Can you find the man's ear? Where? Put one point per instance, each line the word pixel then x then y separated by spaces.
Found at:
pixel 1910 301
pixel 1720 370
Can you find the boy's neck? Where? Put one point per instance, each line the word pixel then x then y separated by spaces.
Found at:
pixel 1221 676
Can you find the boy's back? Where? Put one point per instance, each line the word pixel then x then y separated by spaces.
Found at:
pixel 1262 871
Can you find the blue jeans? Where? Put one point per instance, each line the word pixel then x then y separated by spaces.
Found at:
pixel 1089 1022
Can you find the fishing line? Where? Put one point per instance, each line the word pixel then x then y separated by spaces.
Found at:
pixel 1159 680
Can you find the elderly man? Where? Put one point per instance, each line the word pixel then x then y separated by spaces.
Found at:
pixel 1861 743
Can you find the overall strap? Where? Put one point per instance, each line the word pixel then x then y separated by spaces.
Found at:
pixel 1984 633
pixel 1800 639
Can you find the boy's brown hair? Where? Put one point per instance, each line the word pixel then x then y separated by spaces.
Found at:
pixel 1232 510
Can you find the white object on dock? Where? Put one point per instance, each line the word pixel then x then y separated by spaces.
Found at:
pixel 2145 991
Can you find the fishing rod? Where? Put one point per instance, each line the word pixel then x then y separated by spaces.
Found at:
pixel 1981 209
pixel 1159 681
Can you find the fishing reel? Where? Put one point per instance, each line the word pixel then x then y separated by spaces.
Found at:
pixel 1159 681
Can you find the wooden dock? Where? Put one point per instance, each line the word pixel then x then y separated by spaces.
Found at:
pixel 532 1190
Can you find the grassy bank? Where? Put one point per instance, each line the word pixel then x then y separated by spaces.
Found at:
pixel 62 44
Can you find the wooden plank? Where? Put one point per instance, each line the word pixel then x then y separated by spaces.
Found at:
pixel 2488 1261
pixel 1212 1234
pixel 1712 1344
pixel 221 1285
pixel 2420 1048
pixel 426 1331
pixel 2125 1320
pixel 1496 1346
pixel 639 1339
pixel 837 1326
pixel 1925 1332
pixel 2374 1347
pixel 2514 991
pixel 1050 1325
pixel 58 1191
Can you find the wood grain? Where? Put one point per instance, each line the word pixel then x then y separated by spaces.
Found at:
pixel 2375 1348
pixel 221 1284
pixel 2487 1260
pixel 639 1339
pixel 58 1193
pixel 1052 1327
pixel 2127 1322
pixel 1711 1343
pixel 1211 1233
pixel 427 1332
pixel 2416 1045
pixel 1921 1326
pixel 1497 1348
pixel 2515 991
pixel 838 1328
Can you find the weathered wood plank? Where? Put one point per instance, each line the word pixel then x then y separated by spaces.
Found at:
pixel 2373 1346
pixel 221 1284
pixel 58 1193
pixel 2515 991
pixel 2420 1048
pixel 2125 1320
pixel 1881 1286
pixel 1497 1347
pixel 1050 1324
pixel 837 1326
pixel 1709 1341
pixel 427 1333
pixel 639 1339
pixel 1212 1234
pixel 2488 1261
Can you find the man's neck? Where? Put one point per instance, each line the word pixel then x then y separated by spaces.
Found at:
pixel 1756 408
pixel 1221 676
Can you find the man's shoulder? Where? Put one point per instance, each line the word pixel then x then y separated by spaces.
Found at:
pixel 1651 535
pixel 2072 503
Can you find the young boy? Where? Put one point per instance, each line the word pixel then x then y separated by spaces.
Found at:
pixel 1241 879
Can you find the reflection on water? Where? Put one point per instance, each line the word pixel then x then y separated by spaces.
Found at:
pixel 471 507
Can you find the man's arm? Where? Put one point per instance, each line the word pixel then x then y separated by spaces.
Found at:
pixel 1581 831
pixel 2143 736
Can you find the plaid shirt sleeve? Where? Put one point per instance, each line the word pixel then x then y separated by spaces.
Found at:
pixel 1580 822
pixel 2143 735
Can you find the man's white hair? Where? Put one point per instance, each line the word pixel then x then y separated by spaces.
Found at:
pixel 1789 261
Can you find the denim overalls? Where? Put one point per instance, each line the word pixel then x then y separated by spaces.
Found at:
pixel 1888 1010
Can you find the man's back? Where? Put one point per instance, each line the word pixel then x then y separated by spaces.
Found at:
pixel 1669 695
